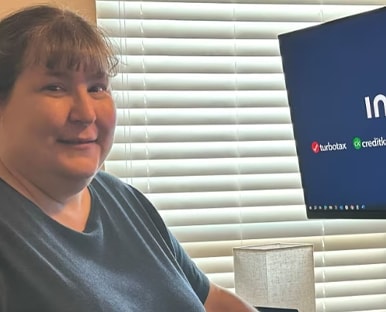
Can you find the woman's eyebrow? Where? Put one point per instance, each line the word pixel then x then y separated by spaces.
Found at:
pixel 57 73
pixel 98 75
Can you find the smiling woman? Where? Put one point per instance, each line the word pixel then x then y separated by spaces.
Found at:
pixel 74 238
pixel 63 76
pixel 69 120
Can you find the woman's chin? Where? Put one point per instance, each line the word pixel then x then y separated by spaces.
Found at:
pixel 81 169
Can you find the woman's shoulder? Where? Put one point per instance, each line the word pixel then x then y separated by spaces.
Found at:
pixel 108 181
pixel 110 189
pixel 106 184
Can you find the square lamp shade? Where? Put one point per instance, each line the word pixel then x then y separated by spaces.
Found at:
pixel 276 275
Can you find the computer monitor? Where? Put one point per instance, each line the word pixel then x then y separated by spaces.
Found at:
pixel 335 75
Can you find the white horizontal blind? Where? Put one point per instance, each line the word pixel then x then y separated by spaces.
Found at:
pixel 204 131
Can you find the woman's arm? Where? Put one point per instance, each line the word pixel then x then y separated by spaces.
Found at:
pixel 221 300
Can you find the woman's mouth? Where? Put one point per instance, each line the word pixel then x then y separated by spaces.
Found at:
pixel 77 141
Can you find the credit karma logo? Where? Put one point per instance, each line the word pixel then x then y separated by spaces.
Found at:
pixel 358 143
pixel 329 147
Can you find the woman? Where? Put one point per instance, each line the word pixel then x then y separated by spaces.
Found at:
pixel 74 238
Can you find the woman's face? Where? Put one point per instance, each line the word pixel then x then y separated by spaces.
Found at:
pixel 57 123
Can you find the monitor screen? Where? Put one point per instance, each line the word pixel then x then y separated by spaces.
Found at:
pixel 335 75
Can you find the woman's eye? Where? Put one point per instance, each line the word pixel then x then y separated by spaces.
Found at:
pixel 53 88
pixel 97 88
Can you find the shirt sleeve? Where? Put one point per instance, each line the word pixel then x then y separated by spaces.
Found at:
pixel 197 279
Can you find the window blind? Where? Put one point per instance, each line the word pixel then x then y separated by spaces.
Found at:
pixel 204 131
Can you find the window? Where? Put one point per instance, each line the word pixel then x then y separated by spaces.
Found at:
pixel 204 131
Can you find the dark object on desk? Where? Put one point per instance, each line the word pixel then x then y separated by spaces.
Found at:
pixel 268 309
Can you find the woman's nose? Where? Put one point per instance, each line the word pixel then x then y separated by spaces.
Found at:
pixel 82 110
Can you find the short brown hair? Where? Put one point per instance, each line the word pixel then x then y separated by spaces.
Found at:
pixel 53 37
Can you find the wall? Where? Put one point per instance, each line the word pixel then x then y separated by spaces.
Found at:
pixel 84 7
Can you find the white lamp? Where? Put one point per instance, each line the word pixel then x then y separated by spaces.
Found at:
pixel 276 275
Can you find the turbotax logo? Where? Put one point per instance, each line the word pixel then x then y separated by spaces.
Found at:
pixel 317 147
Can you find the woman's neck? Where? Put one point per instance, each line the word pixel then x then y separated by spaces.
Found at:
pixel 69 205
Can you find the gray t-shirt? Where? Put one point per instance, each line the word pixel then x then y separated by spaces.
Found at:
pixel 124 260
